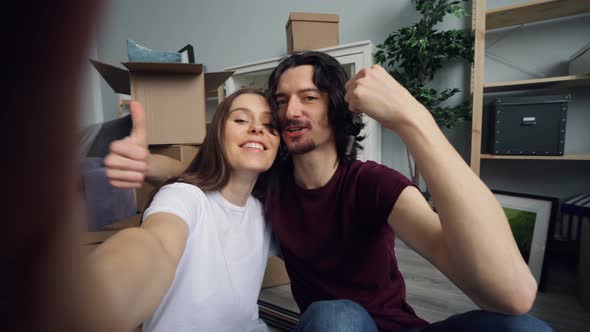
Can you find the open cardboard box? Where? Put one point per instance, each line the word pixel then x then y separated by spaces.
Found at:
pixel 172 94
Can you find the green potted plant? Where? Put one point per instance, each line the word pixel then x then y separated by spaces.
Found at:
pixel 415 53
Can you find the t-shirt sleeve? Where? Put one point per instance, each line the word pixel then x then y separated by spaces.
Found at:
pixel 183 200
pixel 379 188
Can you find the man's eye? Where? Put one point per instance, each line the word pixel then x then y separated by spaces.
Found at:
pixel 282 101
pixel 311 98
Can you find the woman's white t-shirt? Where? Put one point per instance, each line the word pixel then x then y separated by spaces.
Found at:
pixel 219 276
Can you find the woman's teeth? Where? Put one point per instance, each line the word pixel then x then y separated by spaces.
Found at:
pixel 254 146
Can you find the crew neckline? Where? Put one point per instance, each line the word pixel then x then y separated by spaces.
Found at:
pixel 227 204
pixel 322 188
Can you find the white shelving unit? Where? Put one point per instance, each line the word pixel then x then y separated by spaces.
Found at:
pixel 353 57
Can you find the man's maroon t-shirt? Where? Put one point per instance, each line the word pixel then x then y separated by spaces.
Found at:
pixel 337 244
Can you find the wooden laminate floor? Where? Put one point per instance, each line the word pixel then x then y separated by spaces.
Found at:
pixel 435 298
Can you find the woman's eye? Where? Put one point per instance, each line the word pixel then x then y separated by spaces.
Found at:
pixel 240 121
pixel 311 98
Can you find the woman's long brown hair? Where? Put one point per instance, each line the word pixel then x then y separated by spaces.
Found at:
pixel 210 169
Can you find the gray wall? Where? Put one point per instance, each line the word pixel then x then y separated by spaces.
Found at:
pixel 90 98
pixel 227 33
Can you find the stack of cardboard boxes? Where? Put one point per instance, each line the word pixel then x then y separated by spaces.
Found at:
pixel 174 99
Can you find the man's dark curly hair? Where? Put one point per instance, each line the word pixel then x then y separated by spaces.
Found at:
pixel 329 77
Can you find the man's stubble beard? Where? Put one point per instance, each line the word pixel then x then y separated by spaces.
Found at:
pixel 297 148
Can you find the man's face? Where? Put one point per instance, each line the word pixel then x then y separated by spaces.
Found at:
pixel 303 111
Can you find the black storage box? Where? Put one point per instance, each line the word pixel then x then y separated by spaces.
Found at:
pixel 529 125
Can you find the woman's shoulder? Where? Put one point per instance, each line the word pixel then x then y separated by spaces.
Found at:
pixel 181 190
pixel 182 187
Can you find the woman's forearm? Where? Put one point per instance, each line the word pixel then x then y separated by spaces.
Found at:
pixel 135 272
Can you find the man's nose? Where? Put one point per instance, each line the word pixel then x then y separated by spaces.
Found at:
pixel 293 109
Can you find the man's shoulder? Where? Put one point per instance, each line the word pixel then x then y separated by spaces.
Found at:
pixel 376 188
pixel 370 168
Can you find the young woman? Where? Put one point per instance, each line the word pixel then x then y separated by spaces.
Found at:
pixel 198 259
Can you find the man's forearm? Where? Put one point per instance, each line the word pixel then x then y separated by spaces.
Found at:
pixel 162 168
pixel 483 254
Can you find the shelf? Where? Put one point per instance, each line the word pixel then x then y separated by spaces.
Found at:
pixel 566 157
pixel 534 11
pixel 538 83
pixel 523 13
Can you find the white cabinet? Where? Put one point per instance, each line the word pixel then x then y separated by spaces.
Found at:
pixel 353 57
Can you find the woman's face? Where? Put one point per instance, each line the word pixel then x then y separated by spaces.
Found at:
pixel 250 145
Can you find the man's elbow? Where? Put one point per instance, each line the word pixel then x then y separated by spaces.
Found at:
pixel 522 298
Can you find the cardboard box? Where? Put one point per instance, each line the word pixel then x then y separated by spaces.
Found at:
pixel 184 153
pixel 172 94
pixel 276 273
pixel 310 31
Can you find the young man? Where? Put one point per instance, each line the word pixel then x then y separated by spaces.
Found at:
pixel 335 217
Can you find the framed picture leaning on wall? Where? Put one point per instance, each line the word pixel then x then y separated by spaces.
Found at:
pixel 530 218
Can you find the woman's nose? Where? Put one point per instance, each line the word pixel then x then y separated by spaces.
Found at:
pixel 256 128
